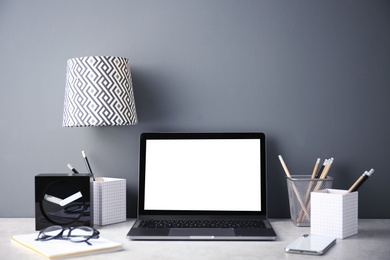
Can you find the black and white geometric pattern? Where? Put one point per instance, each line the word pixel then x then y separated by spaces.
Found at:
pixel 99 92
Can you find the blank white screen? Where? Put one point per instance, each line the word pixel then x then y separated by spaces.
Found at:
pixel 203 174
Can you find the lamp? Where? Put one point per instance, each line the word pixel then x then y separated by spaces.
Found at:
pixel 98 92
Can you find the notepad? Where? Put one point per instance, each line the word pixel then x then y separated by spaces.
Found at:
pixel 57 249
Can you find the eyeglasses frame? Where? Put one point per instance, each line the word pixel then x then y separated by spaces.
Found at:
pixel 43 237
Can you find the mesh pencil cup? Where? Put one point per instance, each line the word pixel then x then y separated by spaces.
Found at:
pixel 299 188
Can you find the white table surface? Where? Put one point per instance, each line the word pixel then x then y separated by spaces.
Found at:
pixel 371 242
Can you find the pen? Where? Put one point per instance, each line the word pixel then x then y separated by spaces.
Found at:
pixel 87 163
pixel 361 180
pixel 72 168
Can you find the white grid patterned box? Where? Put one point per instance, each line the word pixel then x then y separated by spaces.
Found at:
pixel 334 213
pixel 109 201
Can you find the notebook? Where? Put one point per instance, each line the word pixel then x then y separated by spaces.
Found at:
pixel 59 249
pixel 202 186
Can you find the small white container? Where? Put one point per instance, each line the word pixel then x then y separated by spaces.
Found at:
pixel 109 201
pixel 334 213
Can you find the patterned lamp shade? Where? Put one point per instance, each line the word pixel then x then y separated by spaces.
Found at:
pixel 99 92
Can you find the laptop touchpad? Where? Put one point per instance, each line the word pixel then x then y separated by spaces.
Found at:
pixel 201 232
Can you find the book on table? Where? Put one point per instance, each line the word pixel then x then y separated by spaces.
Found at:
pixel 56 249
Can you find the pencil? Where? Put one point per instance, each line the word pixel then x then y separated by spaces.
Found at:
pixel 307 196
pixel 313 175
pixel 87 164
pixel 324 173
pixel 326 169
pixel 294 187
pixel 361 180
pixel 322 168
pixel 284 166
pixel 72 168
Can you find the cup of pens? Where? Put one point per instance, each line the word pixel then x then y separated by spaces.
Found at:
pixel 299 188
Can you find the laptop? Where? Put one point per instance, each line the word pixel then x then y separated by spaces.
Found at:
pixel 202 186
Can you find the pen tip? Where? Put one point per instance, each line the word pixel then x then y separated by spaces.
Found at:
pixel 70 166
pixel 83 153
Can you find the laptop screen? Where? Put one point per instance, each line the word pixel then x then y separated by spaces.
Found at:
pixel 202 172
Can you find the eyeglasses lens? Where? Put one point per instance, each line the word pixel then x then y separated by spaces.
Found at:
pixel 80 234
pixel 50 232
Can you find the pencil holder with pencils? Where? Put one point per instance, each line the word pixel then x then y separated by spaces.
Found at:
pixel 299 189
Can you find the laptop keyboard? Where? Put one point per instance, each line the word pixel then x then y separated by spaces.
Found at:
pixel 202 224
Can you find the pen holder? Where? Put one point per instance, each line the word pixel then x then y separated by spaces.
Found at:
pixel 299 188
pixel 109 201
pixel 334 213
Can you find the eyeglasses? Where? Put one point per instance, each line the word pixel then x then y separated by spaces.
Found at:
pixel 73 234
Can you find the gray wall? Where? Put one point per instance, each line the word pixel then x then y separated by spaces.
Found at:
pixel 313 75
